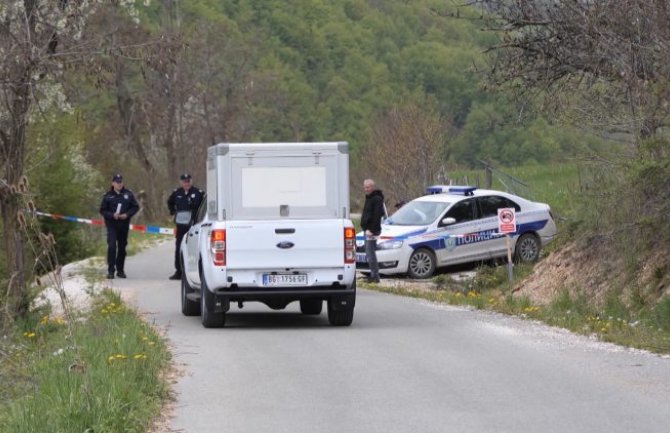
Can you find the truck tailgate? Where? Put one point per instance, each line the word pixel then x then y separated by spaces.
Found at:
pixel 284 244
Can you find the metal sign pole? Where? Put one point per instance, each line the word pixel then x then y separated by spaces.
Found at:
pixel 509 259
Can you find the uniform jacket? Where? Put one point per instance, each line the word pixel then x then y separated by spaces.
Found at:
pixel 185 200
pixel 110 203
pixel 373 211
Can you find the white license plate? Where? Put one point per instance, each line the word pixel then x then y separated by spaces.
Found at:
pixel 284 279
pixel 361 258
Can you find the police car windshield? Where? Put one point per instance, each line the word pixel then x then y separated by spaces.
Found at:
pixel 418 213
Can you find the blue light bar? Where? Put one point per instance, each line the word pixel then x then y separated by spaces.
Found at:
pixel 465 190
pixel 436 189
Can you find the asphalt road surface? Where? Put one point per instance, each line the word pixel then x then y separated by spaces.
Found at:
pixel 404 365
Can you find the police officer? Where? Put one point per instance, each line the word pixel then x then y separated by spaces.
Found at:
pixel 183 204
pixel 117 207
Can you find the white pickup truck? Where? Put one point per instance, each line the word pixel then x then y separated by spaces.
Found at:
pixel 273 228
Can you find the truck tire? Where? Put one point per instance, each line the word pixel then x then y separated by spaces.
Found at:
pixel 340 318
pixel 311 306
pixel 208 317
pixel 188 306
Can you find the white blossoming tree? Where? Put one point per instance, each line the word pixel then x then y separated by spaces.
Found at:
pixel 40 40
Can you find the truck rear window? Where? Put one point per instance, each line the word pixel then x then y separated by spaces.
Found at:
pixel 277 186
pixel 294 187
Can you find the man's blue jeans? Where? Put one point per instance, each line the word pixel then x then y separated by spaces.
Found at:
pixel 371 255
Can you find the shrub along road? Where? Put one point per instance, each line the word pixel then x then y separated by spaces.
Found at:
pixel 404 365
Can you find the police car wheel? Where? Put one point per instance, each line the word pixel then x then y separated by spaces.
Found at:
pixel 527 249
pixel 421 264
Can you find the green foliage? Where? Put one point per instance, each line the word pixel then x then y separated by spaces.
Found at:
pixel 329 69
pixel 661 314
pixel 496 132
pixel 63 183
pixel 106 379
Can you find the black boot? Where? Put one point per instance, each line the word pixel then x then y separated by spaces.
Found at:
pixel 176 276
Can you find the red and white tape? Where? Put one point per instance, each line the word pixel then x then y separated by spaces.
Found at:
pixel 99 222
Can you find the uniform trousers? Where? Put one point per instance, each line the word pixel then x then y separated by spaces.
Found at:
pixel 181 231
pixel 117 239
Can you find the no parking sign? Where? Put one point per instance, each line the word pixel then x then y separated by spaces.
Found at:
pixel 506 220
pixel 507 225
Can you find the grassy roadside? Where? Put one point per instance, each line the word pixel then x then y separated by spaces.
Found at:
pixel 101 373
pixel 628 325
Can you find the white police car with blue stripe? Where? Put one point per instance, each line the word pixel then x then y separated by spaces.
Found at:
pixel 457 224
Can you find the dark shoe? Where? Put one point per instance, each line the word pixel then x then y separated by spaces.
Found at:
pixel 110 276
pixel 121 274
pixel 175 276
pixel 372 280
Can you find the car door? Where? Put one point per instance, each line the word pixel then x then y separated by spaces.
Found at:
pixel 459 237
pixel 494 245
pixel 191 240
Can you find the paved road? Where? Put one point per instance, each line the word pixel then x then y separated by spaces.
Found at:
pixel 403 366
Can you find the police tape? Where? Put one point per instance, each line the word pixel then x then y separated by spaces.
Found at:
pixel 97 222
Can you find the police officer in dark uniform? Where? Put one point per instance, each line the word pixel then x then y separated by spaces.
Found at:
pixel 118 207
pixel 183 205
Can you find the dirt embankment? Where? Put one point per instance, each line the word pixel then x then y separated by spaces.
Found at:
pixel 594 269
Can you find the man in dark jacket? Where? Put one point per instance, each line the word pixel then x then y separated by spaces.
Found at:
pixel 371 223
pixel 117 207
pixel 183 204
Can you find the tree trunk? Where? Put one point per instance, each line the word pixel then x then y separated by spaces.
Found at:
pixel 11 203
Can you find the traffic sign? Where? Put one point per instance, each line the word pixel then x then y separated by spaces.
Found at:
pixel 506 220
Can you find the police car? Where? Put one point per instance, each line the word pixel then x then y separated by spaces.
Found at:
pixel 457 224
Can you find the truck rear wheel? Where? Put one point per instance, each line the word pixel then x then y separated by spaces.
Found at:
pixel 208 317
pixel 311 306
pixel 188 306
pixel 341 317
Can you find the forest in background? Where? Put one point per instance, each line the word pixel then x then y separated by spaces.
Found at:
pixel 392 78
pixel 143 87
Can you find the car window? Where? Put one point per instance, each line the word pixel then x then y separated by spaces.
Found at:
pixel 462 211
pixel 418 213
pixel 489 205
pixel 202 210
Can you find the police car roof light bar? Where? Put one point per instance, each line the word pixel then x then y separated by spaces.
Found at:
pixel 436 189
pixel 465 190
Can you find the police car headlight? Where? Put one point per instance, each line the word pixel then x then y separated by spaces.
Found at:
pixel 389 245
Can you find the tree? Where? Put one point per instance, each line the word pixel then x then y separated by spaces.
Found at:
pixel 38 41
pixel 607 60
pixel 405 149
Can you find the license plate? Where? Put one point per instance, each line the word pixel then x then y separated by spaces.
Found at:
pixel 361 258
pixel 284 279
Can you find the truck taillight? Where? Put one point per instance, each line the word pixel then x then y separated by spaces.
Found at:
pixel 217 243
pixel 349 245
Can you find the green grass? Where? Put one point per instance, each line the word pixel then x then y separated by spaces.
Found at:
pixel 106 377
pixel 618 322
pixel 555 184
